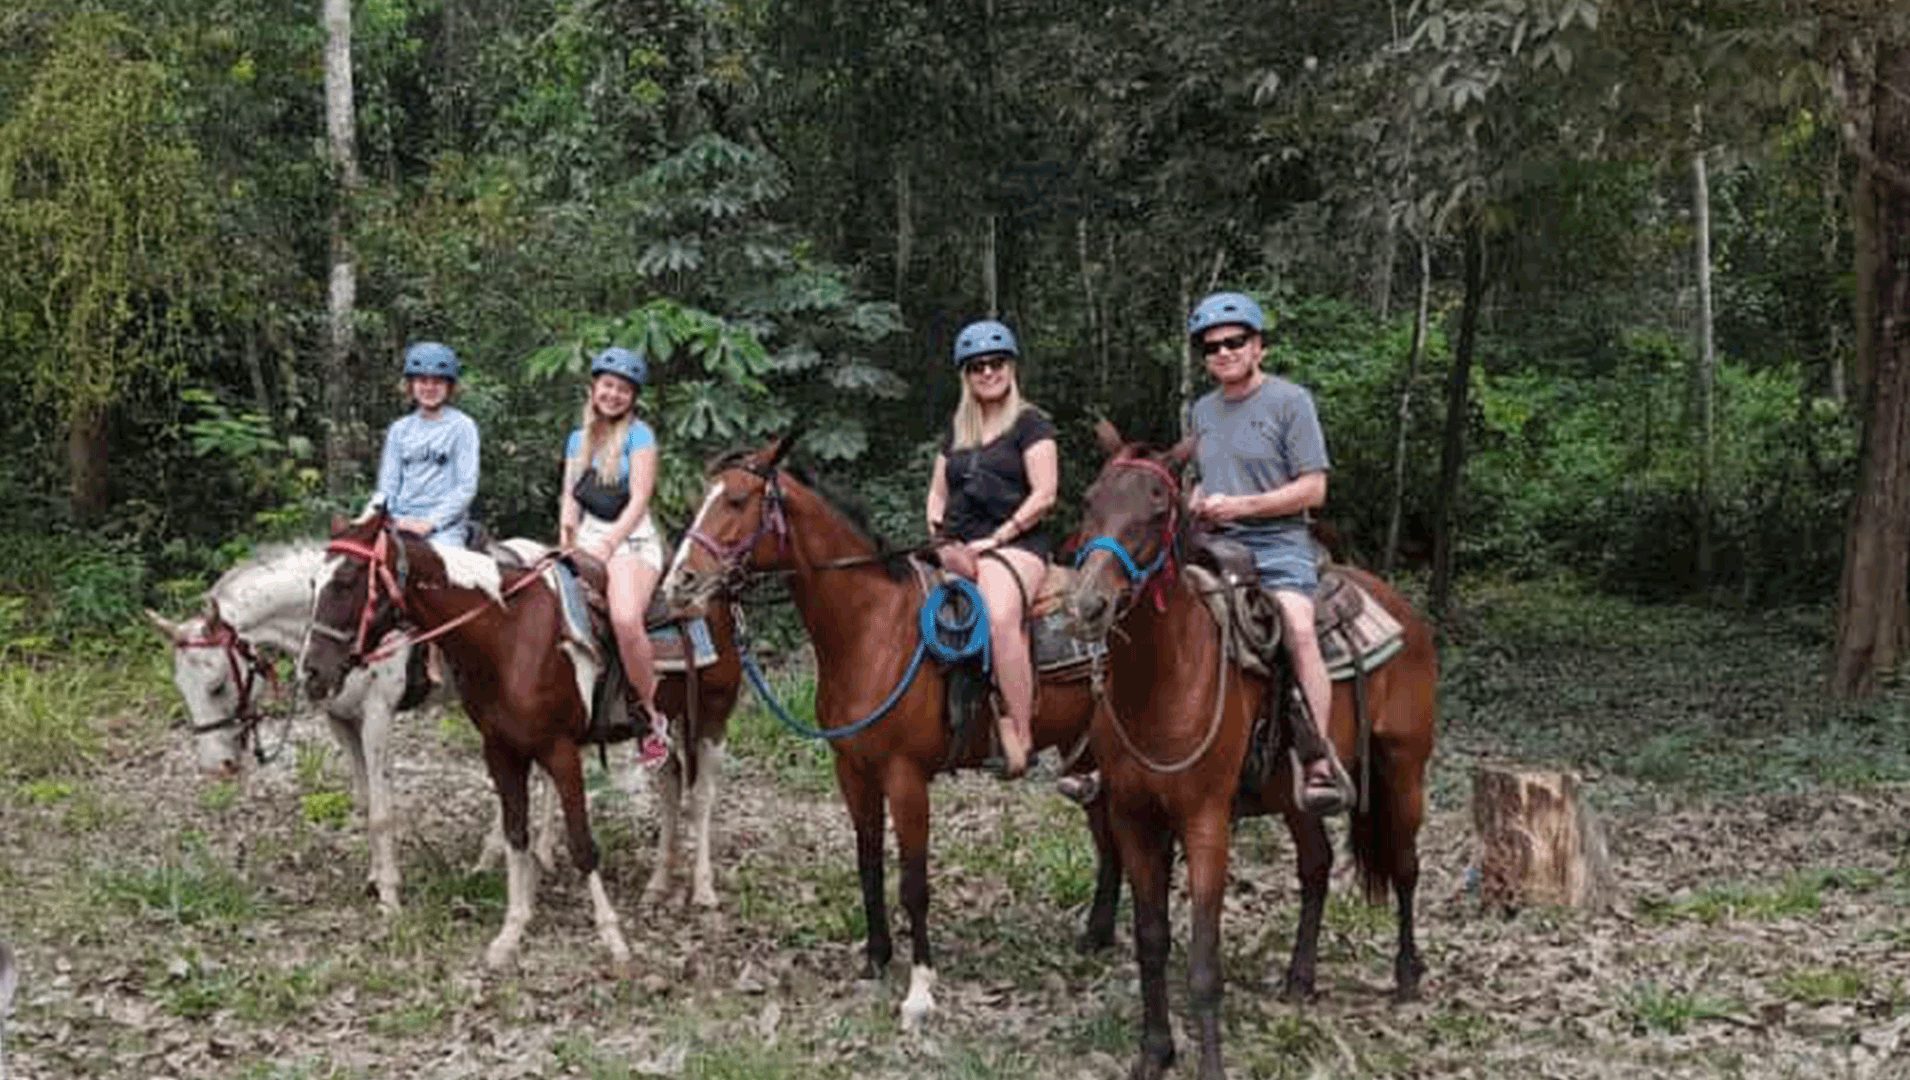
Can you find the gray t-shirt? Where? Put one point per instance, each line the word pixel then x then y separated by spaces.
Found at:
pixel 429 470
pixel 1261 442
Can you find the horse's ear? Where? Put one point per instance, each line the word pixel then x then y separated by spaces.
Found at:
pixel 213 622
pixel 1181 453
pixel 1108 436
pixel 339 524
pixel 173 631
pixel 781 448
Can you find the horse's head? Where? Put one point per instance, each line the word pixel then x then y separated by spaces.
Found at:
pixel 1132 516
pixel 217 673
pixel 742 526
pixel 359 598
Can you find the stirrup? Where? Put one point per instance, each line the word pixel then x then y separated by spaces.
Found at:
pixel 1310 798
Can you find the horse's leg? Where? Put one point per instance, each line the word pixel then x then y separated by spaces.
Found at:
pixel 1206 838
pixel 509 774
pixel 372 798
pixel 566 768
pixel 709 777
pixel 381 822
pixel 1313 858
pixel 669 818
pixel 909 810
pixel 863 799
pixel 1147 857
pixel 1405 800
pixel 1099 933
pixel 544 805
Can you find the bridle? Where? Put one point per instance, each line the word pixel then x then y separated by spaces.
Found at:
pixel 246 665
pixel 1138 576
pixel 772 521
pixel 383 577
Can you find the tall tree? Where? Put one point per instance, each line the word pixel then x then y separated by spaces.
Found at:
pixel 103 232
pixel 341 144
pixel 1874 596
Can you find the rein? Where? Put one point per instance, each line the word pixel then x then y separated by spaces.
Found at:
pixel 1143 580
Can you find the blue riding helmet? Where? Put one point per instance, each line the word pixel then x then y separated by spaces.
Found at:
pixel 982 338
pixel 1225 309
pixel 621 362
pixel 430 359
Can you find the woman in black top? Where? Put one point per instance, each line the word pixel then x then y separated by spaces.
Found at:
pixel 994 481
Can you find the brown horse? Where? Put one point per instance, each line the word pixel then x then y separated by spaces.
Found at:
pixel 889 731
pixel 526 689
pixel 1175 735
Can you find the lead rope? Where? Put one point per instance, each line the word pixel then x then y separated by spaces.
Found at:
pixel 1213 723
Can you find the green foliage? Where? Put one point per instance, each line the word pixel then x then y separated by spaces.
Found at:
pixel 329 808
pixel 187 888
pixel 44 731
pixel 1654 1009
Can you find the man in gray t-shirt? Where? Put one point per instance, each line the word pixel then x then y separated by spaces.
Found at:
pixel 1263 466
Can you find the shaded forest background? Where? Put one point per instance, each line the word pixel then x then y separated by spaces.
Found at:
pixel 1586 289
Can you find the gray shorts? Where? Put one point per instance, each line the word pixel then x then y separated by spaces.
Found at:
pixel 1290 565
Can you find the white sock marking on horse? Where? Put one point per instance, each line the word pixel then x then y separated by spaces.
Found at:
pixel 607 929
pixel 921 1000
pixel 669 818
pixel 709 775
pixel 520 875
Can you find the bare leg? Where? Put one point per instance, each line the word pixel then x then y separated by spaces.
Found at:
pixel 1303 646
pixel 1014 667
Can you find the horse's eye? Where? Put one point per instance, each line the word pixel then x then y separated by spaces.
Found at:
pixel 219 688
pixel 736 498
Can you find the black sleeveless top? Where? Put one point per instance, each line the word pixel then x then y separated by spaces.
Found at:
pixel 987 483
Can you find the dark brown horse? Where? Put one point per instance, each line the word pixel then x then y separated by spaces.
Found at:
pixel 526 689
pixel 1175 735
pixel 861 610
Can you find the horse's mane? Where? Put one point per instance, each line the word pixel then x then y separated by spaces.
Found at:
pixel 268 560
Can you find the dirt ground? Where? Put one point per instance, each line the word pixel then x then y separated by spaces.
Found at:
pixel 168 929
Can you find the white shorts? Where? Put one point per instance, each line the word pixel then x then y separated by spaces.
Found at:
pixel 643 541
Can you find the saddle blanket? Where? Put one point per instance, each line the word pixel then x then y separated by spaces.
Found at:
pixel 678 645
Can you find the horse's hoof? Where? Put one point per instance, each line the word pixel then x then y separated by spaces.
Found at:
pixel 500 959
pixel 1094 941
pixel 706 899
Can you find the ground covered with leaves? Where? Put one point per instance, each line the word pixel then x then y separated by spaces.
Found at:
pixel 169 927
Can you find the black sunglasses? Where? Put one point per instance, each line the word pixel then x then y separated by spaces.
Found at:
pixel 986 363
pixel 1237 341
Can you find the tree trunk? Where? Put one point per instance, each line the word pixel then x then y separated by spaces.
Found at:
pixel 1873 610
pixel 1452 451
pixel 1414 355
pixel 1538 841
pixel 341 143
pixel 88 447
pixel 1707 356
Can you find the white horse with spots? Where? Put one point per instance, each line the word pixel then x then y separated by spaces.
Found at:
pixel 221 664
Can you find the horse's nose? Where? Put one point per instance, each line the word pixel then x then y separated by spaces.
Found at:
pixel 1090 611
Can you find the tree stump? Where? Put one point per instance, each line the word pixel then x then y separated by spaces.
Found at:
pixel 1538 842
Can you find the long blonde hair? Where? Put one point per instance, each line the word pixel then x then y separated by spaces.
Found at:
pixel 602 444
pixel 972 429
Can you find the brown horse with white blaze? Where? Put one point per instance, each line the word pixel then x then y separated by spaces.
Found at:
pixel 526 690
pixel 884 713
pixel 1175 735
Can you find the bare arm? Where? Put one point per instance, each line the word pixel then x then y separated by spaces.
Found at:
pixel 937 495
pixel 1304 492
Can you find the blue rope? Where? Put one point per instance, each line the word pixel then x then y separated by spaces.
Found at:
pixel 1112 546
pixel 932 622
pixel 940 623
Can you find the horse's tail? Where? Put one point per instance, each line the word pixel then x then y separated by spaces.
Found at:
pixel 1374 831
